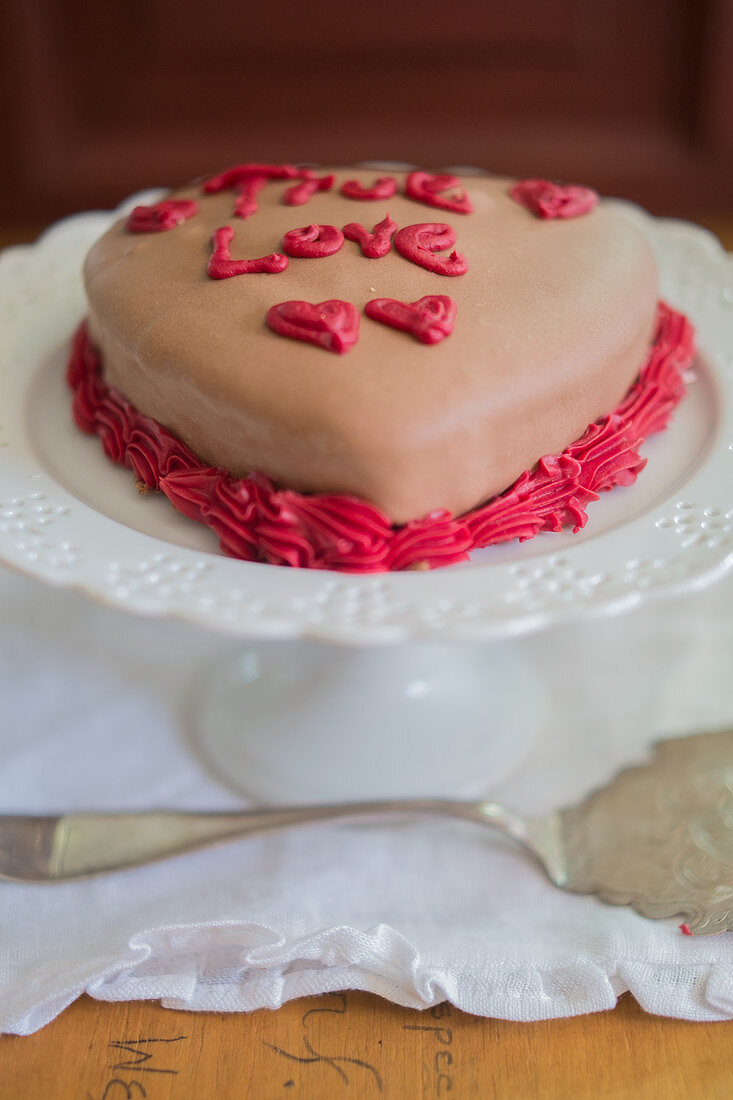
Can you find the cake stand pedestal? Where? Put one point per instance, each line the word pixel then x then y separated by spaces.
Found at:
pixel 289 722
pixel 358 717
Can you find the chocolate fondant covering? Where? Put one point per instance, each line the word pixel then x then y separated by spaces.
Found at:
pixel 553 323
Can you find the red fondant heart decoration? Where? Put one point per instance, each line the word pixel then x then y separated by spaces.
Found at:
pixel 418 243
pixel 312 242
pixel 161 216
pixel 333 325
pixel 375 244
pixel 383 188
pixel 429 320
pixel 299 193
pixel 444 192
pixel 222 266
pixel 554 200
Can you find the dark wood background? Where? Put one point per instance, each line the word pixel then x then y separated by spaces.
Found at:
pixel 632 96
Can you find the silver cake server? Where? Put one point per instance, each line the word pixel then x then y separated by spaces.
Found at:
pixel 659 837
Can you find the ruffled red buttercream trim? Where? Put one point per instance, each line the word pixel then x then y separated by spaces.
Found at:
pixel 257 521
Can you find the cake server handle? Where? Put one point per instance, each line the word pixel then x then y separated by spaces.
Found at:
pixel 74 845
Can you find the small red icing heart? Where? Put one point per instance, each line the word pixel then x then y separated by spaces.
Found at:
pixel 333 325
pixel 429 320
pixel 161 216
pixel 553 200
pixel 423 187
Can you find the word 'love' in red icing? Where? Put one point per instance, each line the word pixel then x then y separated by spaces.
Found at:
pixel 312 242
pixel 222 266
pixel 429 319
pixel 554 200
pixel 383 188
pixel 161 216
pixel 299 193
pixel 333 325
pixel 418 243
pixel 375 244
pixel 444 192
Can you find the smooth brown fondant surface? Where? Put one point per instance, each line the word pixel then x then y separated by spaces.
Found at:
pixel 554 320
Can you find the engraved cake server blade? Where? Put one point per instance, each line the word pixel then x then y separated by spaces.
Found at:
pixel 659 837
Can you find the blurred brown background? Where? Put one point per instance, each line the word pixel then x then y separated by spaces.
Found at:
pixel 634 97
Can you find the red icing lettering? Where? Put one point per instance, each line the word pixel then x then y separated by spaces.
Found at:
pixel 429 320
pixel 383 188
pixel 235 177
pixel 248 180
pixel 245 204
pixel 418 243
pixel 685 930
pixel 375 244
pixel 299 193
pixel 333 325
pixel 222 266
pixel 553 200
pixel 312 242
pixel 161 216
pixel 423 187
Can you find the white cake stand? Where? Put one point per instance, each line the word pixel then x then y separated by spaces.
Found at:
pixel 289 717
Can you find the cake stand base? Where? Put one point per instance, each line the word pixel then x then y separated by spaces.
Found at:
pixel 307 722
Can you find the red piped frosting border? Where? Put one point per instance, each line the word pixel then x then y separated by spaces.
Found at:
pixel 256 521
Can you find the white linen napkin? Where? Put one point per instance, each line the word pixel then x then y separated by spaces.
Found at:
pixel 93 710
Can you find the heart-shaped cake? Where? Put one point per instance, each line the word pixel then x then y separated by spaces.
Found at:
pixel 408 342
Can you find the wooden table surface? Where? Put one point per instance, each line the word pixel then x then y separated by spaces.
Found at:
pixel 354 1044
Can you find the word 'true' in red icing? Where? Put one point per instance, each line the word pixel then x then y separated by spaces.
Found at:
pixel 161 216
pixel 376 244
pixel 299 193
pixel 222 266
pixel 383 188
pixel 418 243
pixel 554 200
pixel 333 325
pixel 312 242
pixel 429 319
pixel 444 192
